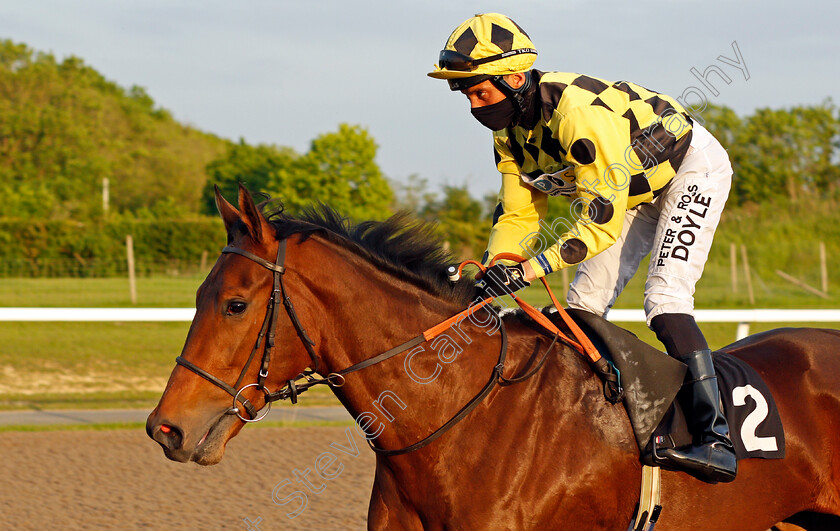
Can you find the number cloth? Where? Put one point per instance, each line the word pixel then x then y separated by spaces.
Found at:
pixel 755 426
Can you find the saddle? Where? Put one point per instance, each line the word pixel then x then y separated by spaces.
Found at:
pixel 651 379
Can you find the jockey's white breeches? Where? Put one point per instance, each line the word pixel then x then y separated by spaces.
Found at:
pixel 676 228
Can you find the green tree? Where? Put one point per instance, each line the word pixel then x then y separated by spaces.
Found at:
pixel 788 153
pixel 64 128
pixel 461 219
pixel 723 123
pixel 340 170
pixel 258 167
pixel 780 154
pixel 413 195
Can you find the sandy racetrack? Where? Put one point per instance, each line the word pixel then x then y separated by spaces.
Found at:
pixel 121 480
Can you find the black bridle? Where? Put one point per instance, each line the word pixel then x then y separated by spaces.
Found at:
pixel 267 332
pixel 292 389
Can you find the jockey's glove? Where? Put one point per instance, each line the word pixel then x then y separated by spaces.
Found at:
pixel 501 280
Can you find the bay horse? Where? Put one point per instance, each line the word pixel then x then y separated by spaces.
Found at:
pixel 547 453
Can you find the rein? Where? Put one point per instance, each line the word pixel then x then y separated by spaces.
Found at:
pixel 337 379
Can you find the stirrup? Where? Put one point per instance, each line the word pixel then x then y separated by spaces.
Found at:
pixel 655 458
pixel 704 469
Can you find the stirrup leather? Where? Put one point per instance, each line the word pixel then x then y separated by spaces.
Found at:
pixel 649 508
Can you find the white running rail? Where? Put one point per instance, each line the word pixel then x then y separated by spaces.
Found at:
pixel 742 316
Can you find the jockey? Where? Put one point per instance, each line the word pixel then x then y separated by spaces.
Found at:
pixel 644 178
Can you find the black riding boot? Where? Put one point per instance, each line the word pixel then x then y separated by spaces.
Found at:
pixel 712 457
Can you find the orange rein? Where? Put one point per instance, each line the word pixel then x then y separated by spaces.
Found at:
pixel 582 342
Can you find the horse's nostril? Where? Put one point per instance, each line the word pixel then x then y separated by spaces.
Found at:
pixel 169 436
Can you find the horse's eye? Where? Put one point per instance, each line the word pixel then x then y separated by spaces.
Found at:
pixel 236 307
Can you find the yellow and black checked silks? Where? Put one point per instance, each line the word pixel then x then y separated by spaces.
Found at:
pixel 610 146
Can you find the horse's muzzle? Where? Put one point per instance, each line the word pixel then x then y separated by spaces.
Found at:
pixel 169 436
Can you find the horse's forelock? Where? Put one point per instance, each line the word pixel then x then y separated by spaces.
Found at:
pixel 237 232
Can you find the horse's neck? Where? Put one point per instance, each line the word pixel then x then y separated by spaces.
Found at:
pixel 405 399
pixel 369 308
pixel 374 312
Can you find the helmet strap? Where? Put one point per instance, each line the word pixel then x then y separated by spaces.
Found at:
pixel 516 94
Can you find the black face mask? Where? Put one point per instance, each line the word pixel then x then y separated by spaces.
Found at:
pixel 497 116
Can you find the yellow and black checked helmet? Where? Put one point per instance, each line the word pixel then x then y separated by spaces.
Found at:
pixel 487 44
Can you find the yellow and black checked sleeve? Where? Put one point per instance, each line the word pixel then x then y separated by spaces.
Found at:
pixel 595 138
pixel 519 210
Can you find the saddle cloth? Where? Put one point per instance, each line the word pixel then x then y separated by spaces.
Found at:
pixel 651 379
pixel 755 426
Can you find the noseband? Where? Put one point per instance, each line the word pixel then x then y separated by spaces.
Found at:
pixel 267 332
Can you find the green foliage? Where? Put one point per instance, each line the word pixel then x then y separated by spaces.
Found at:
pixel 723 123
pixel 461 220
pixel 777 154
pixel 413 194
pixel 32 248
pixel 64 128
pixel 339 170
pixel 255 166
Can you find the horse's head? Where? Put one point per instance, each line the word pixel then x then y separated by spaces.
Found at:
pixel 197 414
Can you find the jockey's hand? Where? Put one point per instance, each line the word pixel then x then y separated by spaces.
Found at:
pixel 501 280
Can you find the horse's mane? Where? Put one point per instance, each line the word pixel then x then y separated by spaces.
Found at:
pixel 402 245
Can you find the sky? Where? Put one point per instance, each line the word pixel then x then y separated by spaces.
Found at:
pixel 281 72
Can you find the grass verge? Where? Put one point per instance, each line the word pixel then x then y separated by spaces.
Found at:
pixel 94 365
pixel 154 292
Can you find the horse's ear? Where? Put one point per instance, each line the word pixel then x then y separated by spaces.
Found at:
pixel 251 215
pixel 228 212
